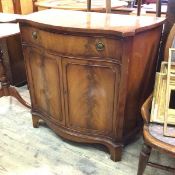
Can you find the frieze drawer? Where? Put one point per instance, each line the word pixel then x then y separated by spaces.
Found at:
pixel 67 44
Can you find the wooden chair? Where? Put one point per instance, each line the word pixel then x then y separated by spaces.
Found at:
pixel 153 133
pixel 153 138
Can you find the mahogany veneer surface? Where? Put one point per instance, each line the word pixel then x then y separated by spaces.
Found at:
pixel 88 73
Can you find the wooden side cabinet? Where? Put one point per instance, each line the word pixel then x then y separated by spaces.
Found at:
pixel 14 60
pixel 88 78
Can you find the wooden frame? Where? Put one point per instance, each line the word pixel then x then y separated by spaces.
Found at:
pixel 159 96
pixel 158 102
pixel 169 87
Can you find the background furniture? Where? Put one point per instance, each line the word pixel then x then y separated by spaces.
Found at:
pixel 158 7
pixel 13 57
pixel 89 87
pixel 153 138
pixel 8 18
pixel 147 10
pixel 6 31
pixel 18 6
pixel 95 5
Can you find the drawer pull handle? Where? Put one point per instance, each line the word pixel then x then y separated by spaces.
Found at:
pixel 34 35
pixel 100 46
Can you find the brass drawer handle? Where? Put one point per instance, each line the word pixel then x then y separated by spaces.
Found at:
pixel 34 35
pixel 100 46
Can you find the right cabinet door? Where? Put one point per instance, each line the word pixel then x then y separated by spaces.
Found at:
pixel 91 95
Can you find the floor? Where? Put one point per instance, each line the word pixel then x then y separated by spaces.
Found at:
pixel 25 150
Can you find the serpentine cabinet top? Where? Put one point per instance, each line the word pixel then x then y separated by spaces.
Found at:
pixel 92 22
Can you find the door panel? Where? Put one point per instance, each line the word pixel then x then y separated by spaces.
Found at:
pixel 44 76
pixel 91 89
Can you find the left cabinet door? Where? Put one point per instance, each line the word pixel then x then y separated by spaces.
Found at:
pixel 44 76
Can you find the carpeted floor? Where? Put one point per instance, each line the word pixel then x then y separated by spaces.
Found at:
pixel 25 150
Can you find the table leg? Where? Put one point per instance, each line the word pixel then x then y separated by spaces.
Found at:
pixel 6 89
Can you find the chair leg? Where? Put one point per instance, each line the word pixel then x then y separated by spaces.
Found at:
pixel 144 157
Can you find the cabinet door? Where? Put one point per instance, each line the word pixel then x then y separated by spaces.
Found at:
pixel 43 72
pixel 91 91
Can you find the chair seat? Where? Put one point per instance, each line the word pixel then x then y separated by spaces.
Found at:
pixel 153 136
pixel 156 131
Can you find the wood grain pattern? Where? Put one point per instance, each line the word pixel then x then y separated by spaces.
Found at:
pixel 141 71
pixel 86 48
pixel 93 23
pixel 101 72
pixel 47 91
pixel 90 98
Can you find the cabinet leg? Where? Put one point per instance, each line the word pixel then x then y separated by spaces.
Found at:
pixel 144 157
pixel 116 153
pixel 35 120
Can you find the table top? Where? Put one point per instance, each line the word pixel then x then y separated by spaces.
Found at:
pixel 92 22
pixel 8 17
pixel 79 4
pixel 151 8
pixel 145 9
pixel 8 29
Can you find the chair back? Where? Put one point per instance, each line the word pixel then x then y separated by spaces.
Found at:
pixel 170 43
pixel 146 110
